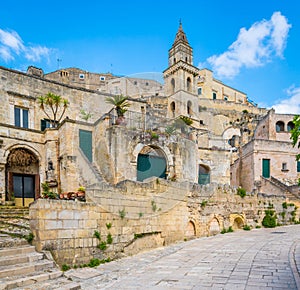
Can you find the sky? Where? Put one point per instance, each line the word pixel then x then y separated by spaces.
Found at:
pixel 252 46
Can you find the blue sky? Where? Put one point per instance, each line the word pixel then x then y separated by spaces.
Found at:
pixel 252 46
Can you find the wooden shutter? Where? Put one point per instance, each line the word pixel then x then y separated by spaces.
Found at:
pixel 86 144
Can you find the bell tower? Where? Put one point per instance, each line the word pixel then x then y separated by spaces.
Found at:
pixel 180 75
pixel 181 49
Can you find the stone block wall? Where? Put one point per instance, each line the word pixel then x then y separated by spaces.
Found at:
pixel 143 216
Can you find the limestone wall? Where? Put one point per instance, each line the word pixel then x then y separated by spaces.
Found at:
pixel 140 216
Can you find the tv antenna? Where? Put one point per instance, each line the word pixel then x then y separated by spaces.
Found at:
pixel 58 62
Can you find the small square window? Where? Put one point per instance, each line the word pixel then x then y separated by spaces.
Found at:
pixel 199 91
pixel 284 167
pixel 214 95
pixel 102 78
pixel 81 76
pixel 225 98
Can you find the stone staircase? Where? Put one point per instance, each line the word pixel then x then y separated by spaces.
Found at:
pixel 288 190
pixel 21 267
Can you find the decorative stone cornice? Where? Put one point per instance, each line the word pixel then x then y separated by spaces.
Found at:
pixel 181 65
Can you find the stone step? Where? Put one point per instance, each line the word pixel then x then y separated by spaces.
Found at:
pixel 19 282
pixel 57 284
pixel 7 241
pixel 26 268
pixel 19 259
pixel 4 252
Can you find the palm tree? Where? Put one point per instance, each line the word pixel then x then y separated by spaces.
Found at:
pixel 54 107
pixel 120 104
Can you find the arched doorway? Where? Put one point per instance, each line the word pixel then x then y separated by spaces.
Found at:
pixel 190 230
pixel 238 223
pixel 151 161
pixel 214 227
pixel 23 176
pixel 203 174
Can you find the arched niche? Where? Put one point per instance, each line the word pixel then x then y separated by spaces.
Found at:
pixel 214 227
pixel 190 230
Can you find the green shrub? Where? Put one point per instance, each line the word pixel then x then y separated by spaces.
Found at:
pixel 284 205
pixel 203 204
pixel 241 192
pixel 65 267
pixel 269 220
pixel 122 213
pixel 94 262
pixel 29 238
pixel 97 235
pixel 246 228
pixel 102 246
pixel 109 239
pixel 108 225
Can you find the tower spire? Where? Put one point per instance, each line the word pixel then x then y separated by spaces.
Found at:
pixel 180 35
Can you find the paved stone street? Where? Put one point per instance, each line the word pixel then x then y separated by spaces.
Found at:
pixel 257 259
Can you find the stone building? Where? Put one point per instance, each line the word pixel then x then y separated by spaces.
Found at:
pixel 222 118
pixel 267 163
pixel 166 172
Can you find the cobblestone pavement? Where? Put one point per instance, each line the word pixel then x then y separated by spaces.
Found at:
pixel 257 259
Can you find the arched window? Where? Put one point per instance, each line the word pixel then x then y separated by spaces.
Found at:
pixel 173 107
pixel 151 162
pixel 173 86
pixel 188 84
pixel 189 108
pixel 204 174
pixel 174 60
pixel 290 126
pixel 279 126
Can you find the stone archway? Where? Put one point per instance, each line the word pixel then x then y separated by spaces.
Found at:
pixel 190 230
pixel 238 223
pixel 214 227
pixel 22 171
pixel 151 161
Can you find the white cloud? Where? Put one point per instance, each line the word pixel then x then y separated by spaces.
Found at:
pixel 37 53
pixel 254 47
pixel 11 45
pixel 5 54
pixel 290 105
pixel 11 40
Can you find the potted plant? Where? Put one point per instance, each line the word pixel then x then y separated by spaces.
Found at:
pixel 121 106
